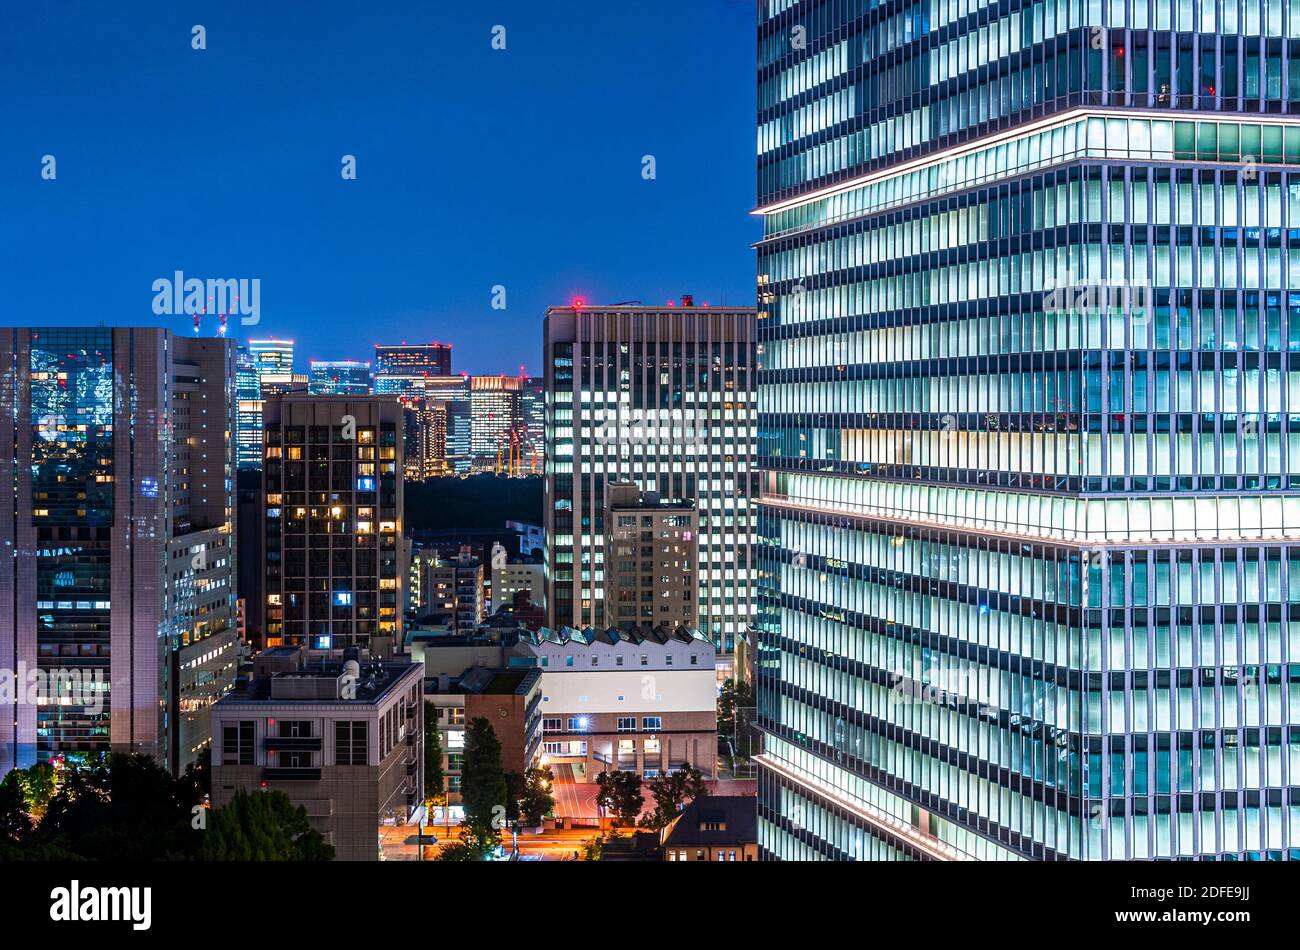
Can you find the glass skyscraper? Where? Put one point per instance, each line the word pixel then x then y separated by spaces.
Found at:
pixel 662 397
pixel 338 378
pixel 119 566
pixel 1029 395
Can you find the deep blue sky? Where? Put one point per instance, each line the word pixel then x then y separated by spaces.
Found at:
pixel 475 167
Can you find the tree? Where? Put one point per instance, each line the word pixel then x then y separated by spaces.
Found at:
pixel 459 851
pixel 263 826
pixel 671 792
pixel 530 797
pixel 40 782
pixel 435 788
pixel 483 784
pixel 125 807
pixel 620 795
pixel 15 822
pixel 591 849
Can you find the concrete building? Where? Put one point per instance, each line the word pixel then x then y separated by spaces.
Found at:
pixel 452 588
pixel 662 397
pixel 511 700
pixel 513 576
pixel 118 567
pixel 343 740
pixel 650 559
pixel 639 700
pixel 335 558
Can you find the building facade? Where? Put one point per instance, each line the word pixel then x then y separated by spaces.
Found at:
pixel 1028 403
pixel 637 700
pixel 118 582
pixel 650 559
pixel 402 369
pixel 343 741
pixel 496 424
pixel 662 397
pixel 338 378
pixel 332 490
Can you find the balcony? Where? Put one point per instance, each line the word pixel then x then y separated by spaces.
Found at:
pixel 291 774
pixel 293 743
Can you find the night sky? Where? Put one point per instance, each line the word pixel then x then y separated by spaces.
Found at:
pixel 475 167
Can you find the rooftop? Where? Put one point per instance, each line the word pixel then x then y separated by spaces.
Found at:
pixel 715 820
pixel 321 683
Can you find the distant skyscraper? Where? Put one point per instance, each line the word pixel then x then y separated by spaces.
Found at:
pixel 1030 444
pixel 333 538
pixel 248 418
pixel 534 415
pixel 254 360
pixel 426 439
pixel 401 370
pixel 662 397
pixel 119 561
pixel 338 378
pixel 496 422
pixel 453 393
pixel 272 356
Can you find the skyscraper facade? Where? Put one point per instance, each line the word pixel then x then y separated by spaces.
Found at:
pixel 1029 318
pixel 338 378
pixel 254 360
pixel 662 397
pixel 453 393
pixel 332 477
pixel 119 565
pixel 402 368
pixel 496 422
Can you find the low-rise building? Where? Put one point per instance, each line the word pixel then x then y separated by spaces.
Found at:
pixel 640 700
pixel 343 740
pixel 511 577
pixel 713 828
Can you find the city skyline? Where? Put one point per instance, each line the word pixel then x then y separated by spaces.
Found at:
pixel 459 158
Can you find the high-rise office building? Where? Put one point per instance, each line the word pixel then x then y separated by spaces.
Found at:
pixel 533 407
pixel 1030 583
pixel 117 582
pixel 338 378
pixel 426 439
pixel 662 397
pixel 453 393
pixel 332 477
pixel 401 370
pixel 254 360
pixel 248 419
pixel 496 423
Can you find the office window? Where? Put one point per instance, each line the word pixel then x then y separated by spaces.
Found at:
pixel 237 743
pixel 627 723
pixel 350 741
pixel 652 723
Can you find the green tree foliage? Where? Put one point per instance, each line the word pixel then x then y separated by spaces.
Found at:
pixel 620 796
pixel 483 790
pixel 435 786
pixel 530 798
pixel 124 808
pixel 263 826
pixel 671 792
pixel 459 851
pixel 15 822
